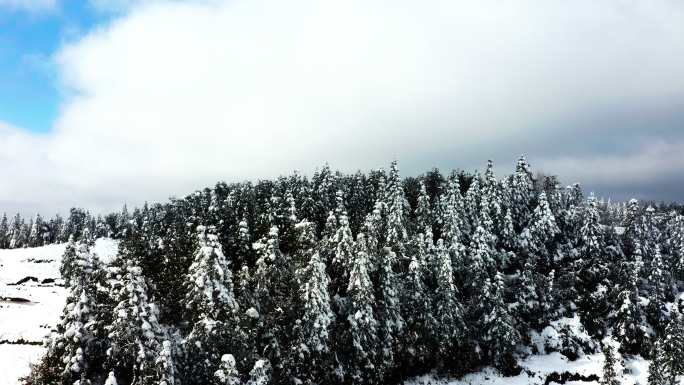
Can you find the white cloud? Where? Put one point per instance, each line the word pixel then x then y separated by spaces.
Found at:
pixel 172 96
pixel 30 5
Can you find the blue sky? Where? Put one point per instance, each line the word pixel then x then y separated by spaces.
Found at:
pixel 29 91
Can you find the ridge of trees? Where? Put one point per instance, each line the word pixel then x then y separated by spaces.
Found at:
pixel 364 279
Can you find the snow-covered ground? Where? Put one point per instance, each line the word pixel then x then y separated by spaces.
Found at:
pixel 31 301
pixel 536 368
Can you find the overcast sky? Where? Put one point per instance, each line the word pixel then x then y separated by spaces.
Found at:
pixel 153 99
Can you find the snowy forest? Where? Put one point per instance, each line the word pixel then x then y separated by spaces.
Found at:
pixel 365 278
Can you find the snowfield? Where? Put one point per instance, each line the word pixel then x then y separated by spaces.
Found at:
pixel 536 368
pixel 31 300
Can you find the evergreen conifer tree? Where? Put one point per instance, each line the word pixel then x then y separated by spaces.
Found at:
pixel 499 333
pixel 227 373
pixel 629 329
pixel 392 322
pixel 343 255
pixel 482 258
pixel 67 267
pixel 362 323
pixel 166 366
pixel 609 376
pixel 419 332
pixel 135 332
pixel 448 310
pixel 260 374
pixel 72 349
pixel 311 344
pixel 656 370
pixel 521 189
pixel 658 282
pixel 673 349
pixel 4 232
pixel 210 281
pixel 423 213
pixel 396 212
pixel 211 306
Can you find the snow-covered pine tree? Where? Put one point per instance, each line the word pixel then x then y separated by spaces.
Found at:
pixel 482 264
pixel 671 233
pixel 288 233
pixel 452 222
pixel 673 349
pixel 210 281
pixel 243 257
pixel 594 269
pixel 343 256
pixel 451 214
pixel 423 212
pixel 249 318
pixel 528 302
pixel 374 231
pixel 211 307
pixel 310 360
pixel 227 373
pixel 540 232
pixel 397 206
pixel 678 263
pixel 591 231
pixel 328 245
pixel 609 376
pixel 508 239
pixel 72 353
pixel 521 191
pixel 656 370
pixel 166 365
pixel 447 309
pixel 658 287
pixel 363 326
pixel 4 232
pixel 67 268
pixel 499 333
pixel 134 332
pixel 492 196
pixel 34 238
pixel 652 234
pixel 629 328
pixel 471 205
pixel 260 373
pixel 420 326
pixel 269 252
pixel 676 245
pixel 547 296
pixel 391 325
pixel 632 225
pixel 274 290
pixel 324 190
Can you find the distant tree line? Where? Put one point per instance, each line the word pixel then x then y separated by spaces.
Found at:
pixel 364 279
pixel 17 232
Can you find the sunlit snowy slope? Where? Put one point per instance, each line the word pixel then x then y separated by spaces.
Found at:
pixel 31 301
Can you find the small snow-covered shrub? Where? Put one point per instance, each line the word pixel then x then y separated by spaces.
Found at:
pixel 567 336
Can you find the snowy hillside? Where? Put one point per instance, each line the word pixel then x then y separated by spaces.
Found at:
pixel 362 279
pixel 31 300
pixel 32 297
